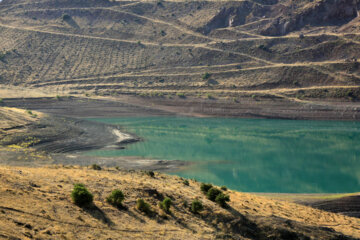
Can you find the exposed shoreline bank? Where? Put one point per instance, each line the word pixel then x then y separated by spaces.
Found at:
pixel 133 106
pixel 78 135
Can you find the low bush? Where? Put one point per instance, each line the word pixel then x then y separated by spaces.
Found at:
pixel 186 182
pixel 196 206
pixel 221 199
pixel 213 193
pixel 206 76
pixel 205 187
pixel 166 204
pixel 150 173
pixel 95 167
pixel 181 95
pixel 224 188
pixel 143 206
pixel 116 198
pixel 66 17
pixel 209 96
pixel 81 196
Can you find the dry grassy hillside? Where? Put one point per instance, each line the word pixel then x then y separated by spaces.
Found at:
pixel 36 203
pixel 14 120
pixel 163 48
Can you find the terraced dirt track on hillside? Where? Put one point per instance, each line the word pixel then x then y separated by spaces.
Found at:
pixel 136 47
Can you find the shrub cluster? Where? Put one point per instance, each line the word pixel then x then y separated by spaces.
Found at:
pixel 166 204
pixel 206 76
pixel 196 206
pixel 95 167
pixel 186 182
pixel 116 198
pixel 66 17
pixel 221 199
pixel 81 196
pixel 215 194
pixel 143 206
pixel 150 173
pixel 205 187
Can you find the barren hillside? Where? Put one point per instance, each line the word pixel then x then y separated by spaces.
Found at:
pixel 164 48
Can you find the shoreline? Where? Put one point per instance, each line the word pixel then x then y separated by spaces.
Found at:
pixel 133 106
pixel 81 134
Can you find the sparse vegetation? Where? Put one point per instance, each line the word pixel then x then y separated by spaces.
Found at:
pixel 221 199
pixel 81 196
pixel 150 173
pixel 186 182
pixel 196 206
pixel 206 76
pixel 209 96
pixel 181 95
pixel 95 167
pixel 213 193
pixel 166 204
pixel 116 198
pixel 143 206
pixel 224 188
pixel 205 187
pixel 65 17
pixel 34 115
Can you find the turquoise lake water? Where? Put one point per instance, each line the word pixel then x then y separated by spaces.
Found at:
pixel 252 155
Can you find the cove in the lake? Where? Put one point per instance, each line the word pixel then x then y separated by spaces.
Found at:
pixel 252 155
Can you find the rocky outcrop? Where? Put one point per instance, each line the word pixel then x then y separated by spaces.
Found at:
pixel 285 17
pixel 233 16
pixel 326 12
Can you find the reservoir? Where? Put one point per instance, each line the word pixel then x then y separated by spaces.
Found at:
pixel 251 155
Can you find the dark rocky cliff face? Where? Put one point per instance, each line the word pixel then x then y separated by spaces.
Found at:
pixel 327 12
pixel 286 18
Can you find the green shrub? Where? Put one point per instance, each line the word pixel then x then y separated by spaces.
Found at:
pixel 205 187
pixel 95 167
pixel 209 96
pixel 1 100
pixel 81 196
pixel 66 17
pixel 143 206
pixel 221 199
pixel 206 76
pixel 196 206
pixel 116 198
pixel 3 55
pixel 186 182
pixel 166 204
pixel 213 193
pixel 224 188
pixel 181 95
pixel 150 173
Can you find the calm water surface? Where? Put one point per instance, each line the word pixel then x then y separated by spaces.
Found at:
pixel 253 155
